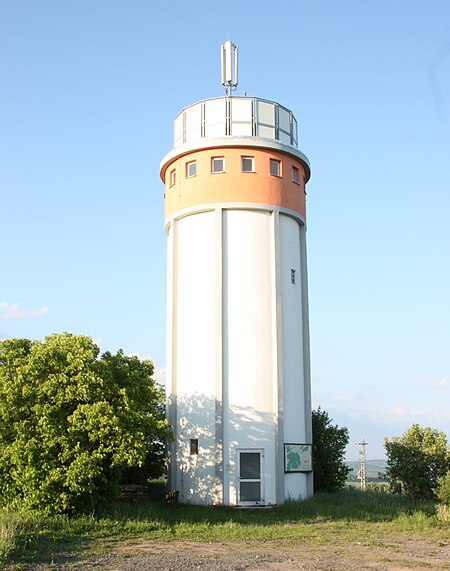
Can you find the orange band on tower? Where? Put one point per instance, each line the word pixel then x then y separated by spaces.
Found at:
pixel 234 185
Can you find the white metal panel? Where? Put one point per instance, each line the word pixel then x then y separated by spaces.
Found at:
pixel 266 112
pixel 241 129
pixel 292 344
pixel 215 115
pixel 284 119
pixel 241 109
pixel 284 137
pixel 292 338
pixel 249 414
pixel 193 122
pixel 247 299
pixel 170 387
pixel 195 355
pixel 263 131
pixel 241 117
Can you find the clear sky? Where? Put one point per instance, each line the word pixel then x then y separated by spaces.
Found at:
pixel 88 93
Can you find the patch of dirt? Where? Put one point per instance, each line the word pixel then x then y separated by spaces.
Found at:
pixel 396 554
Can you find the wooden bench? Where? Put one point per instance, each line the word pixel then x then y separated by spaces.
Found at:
pixel 133 493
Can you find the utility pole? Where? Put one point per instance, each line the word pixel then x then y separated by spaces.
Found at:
pixel 362 464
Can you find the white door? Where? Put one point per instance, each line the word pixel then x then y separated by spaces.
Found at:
pixel 250 481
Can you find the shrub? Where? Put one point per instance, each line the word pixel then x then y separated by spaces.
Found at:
pixel 443 489
pixel 329 443
pixel 416 461
pixel 71 422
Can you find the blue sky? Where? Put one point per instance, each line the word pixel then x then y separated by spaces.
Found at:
pixel 89 90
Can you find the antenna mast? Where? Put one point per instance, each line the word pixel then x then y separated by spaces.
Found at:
pixel 229 62
pixel 362 464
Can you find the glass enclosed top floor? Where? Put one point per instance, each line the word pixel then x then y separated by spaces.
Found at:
pixel 235 117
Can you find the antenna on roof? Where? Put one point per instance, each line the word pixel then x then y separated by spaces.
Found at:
pixel 229 62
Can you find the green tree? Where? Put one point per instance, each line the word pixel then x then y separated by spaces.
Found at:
pixel 443 489
pixel 71 422
pixel 416 461
pixel 329 443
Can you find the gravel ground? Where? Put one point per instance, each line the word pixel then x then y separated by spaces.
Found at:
pixel 391 555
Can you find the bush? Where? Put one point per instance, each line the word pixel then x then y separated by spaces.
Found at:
pixel 329 443
pixel 71 422
pixel 443 514
pixel 416 461
pixel 443 489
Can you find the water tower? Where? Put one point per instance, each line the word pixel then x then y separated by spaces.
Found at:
pixel 238 365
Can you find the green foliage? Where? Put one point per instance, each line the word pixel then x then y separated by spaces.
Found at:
pixel 443 489
pixel 329 443
pixel 416 461
pixel 71 422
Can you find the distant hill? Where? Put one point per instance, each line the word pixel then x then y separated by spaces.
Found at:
pixel 373 468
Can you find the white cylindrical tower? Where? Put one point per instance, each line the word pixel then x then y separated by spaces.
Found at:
pixel 238 378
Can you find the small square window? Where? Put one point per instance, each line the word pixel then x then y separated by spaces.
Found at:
pixel 295 177
pixel 172 177
pixel 191 169
pixel 292 276
pixel 194 446
pixel 217 164
pixel 275 167
pixel 247 164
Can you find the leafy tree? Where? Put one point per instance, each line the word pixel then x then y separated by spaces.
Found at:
pixel 443 489
pixel 416 461
pixel 329 443
pixel 71 422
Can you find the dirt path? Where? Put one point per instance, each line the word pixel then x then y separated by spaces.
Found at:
pixel 395 554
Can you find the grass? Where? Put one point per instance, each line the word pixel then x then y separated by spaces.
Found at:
pixel 340 517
